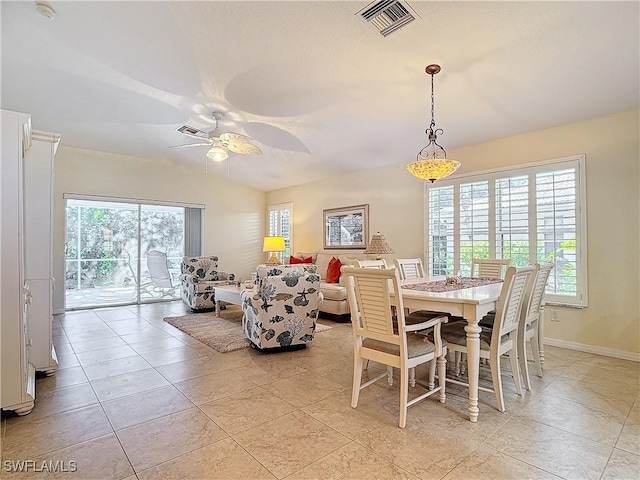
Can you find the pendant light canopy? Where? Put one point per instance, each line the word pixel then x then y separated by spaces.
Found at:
pixel 431 162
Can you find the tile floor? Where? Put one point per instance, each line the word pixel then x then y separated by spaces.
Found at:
pixel 136 398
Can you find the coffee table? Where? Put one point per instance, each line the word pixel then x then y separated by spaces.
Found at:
pixel 229 294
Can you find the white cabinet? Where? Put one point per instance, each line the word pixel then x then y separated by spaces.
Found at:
pixel 38 237
pixel 17 387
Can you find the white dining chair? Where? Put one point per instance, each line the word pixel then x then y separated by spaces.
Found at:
pixel 409 268
pixel 531 316
pixel 381 263
pixel 413 268
pixel 384 337
pixel 502 339
pixel 489 267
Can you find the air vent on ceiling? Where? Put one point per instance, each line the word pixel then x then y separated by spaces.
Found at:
pixel 191 131
pixel 388 16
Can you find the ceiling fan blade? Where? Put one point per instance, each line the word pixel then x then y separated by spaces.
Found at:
pixel 191 145
pixel 235 138
pixel 244 148
pixel 237 143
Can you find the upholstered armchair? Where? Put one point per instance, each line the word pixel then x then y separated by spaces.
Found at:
pixel 281 312
pixel 199 277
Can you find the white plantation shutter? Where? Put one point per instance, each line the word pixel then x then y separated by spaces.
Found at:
pixel 440 223
pixel 530 214
pixel 556 208
pixel 512 219
pixel 474 224
pixel 279 224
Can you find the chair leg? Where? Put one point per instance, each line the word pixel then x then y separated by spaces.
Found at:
pixel 366 364
pixel 457 356
pixel 494 362
pixel 404 396
pixel 463 363
pixel 515 369
pixel 412 377
pixel 524 367
pixel 390 376
pixel 432 374
pixel 442 376
pixel 535 351
pixel 357 380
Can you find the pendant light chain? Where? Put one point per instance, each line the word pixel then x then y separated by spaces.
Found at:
pixel 433 118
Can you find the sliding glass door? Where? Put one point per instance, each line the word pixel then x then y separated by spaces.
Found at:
pixel 106 252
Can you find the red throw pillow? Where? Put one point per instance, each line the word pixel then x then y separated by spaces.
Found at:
pixel 294 260
pixel 333 272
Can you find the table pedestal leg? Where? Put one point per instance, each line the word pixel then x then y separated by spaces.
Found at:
pixel 473 366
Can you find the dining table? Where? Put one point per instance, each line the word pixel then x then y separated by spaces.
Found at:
pixel 470 302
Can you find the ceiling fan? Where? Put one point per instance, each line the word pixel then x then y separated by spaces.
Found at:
pixel 221 143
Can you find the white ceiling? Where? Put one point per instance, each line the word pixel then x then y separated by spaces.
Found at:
pixel 320 90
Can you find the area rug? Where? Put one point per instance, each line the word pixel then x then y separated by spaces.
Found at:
pixel 222 333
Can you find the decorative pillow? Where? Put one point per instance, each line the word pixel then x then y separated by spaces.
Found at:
pixel 294 260
pixel 333 272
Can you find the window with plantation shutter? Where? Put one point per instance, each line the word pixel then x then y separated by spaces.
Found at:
pixel 474 224
pixel 279 224
pixel 530 214
pixel 441 230
pixel 512 220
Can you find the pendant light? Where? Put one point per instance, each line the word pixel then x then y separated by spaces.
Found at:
pixel 431 162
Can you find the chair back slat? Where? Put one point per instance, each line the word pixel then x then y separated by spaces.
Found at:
pixel 409 268
pixel 511 300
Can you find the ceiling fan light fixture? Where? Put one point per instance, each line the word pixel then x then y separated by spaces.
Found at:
pixel 217 154
pixel 431 162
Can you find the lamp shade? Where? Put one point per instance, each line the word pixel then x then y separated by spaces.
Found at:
pixel 273 245
pixel 217 154
pixel 378 245
pixel 433 169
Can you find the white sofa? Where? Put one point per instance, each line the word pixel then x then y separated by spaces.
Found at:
pixel 335 304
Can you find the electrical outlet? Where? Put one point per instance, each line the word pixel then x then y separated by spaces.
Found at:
pixel 554 316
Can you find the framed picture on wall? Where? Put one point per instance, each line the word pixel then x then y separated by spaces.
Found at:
pixel 346 227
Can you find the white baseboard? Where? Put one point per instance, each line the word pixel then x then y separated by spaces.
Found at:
pixel 608 352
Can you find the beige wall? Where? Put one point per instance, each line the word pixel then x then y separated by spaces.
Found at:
pixel 612 148
pixel 233 215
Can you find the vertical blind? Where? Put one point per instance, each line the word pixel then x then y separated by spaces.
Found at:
pixel 192 232
pixel 530 214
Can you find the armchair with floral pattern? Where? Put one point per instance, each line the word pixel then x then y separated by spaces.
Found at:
pixel 199 277
pixel 281 313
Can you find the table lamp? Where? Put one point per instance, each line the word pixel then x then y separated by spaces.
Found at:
pixel 378 246
pixel 273 245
